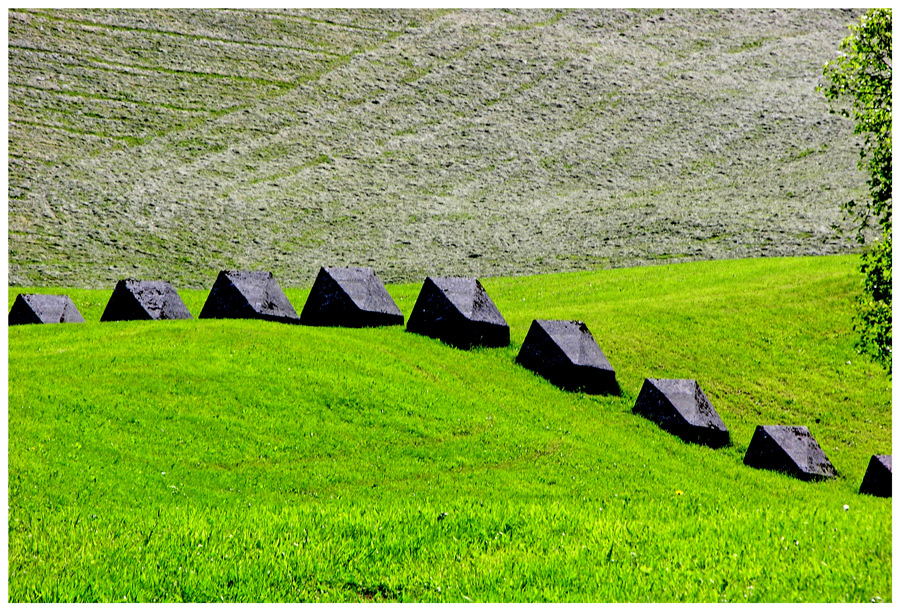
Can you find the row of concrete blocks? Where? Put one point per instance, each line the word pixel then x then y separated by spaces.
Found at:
pixel 459 312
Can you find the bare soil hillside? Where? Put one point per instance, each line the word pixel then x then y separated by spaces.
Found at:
pixel 171 144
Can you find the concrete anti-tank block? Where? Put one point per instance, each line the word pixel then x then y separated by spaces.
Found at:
pixel 144 300
pixel 459 312
pixel 877 480
pixel 254 295
pixel 789 449
pixel 349 297
pixel 33 309
pixel 681 408
pixel 566 353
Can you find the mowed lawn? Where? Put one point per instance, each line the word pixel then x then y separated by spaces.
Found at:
pixel 252 461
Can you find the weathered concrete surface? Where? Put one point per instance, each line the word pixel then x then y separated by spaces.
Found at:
pixel 144 300
pixel 349 297
pixel 789 449
pixel 681 408
pixel 566 353
pixel 43 309
pixel 877 480
pixel 242 294
pixel 459 312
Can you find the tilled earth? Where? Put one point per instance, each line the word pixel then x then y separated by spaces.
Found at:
pixel 170 144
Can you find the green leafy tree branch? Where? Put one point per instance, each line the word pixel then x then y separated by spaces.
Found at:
pixel 859 83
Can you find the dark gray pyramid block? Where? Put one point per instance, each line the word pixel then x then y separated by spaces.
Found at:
pixel 238 294
pixel 43 309
pixel 565 352
pixel 349 297
pixel 681 408
pixel 144 300
pixel 877 480
pixel 459 312
pixel 790 449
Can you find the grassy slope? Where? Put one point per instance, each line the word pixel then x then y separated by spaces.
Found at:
pixel 199 460
pixel 161 143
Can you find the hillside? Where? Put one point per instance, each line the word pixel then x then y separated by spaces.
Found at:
pixel 174 143
pixel 250 461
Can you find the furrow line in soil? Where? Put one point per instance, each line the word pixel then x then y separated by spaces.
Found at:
pixel 95 24
pixel 108 65
pixel 96 96
pixel 307 19
pixel 72 130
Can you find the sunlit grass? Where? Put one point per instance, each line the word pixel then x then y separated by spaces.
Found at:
pixel 244 460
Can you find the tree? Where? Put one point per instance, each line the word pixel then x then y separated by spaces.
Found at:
pixel 859 86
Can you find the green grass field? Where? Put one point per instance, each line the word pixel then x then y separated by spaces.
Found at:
pixel 252 461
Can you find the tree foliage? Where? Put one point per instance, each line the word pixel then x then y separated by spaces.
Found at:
pixel 859 80
pixel 859 85
pixel 873 315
